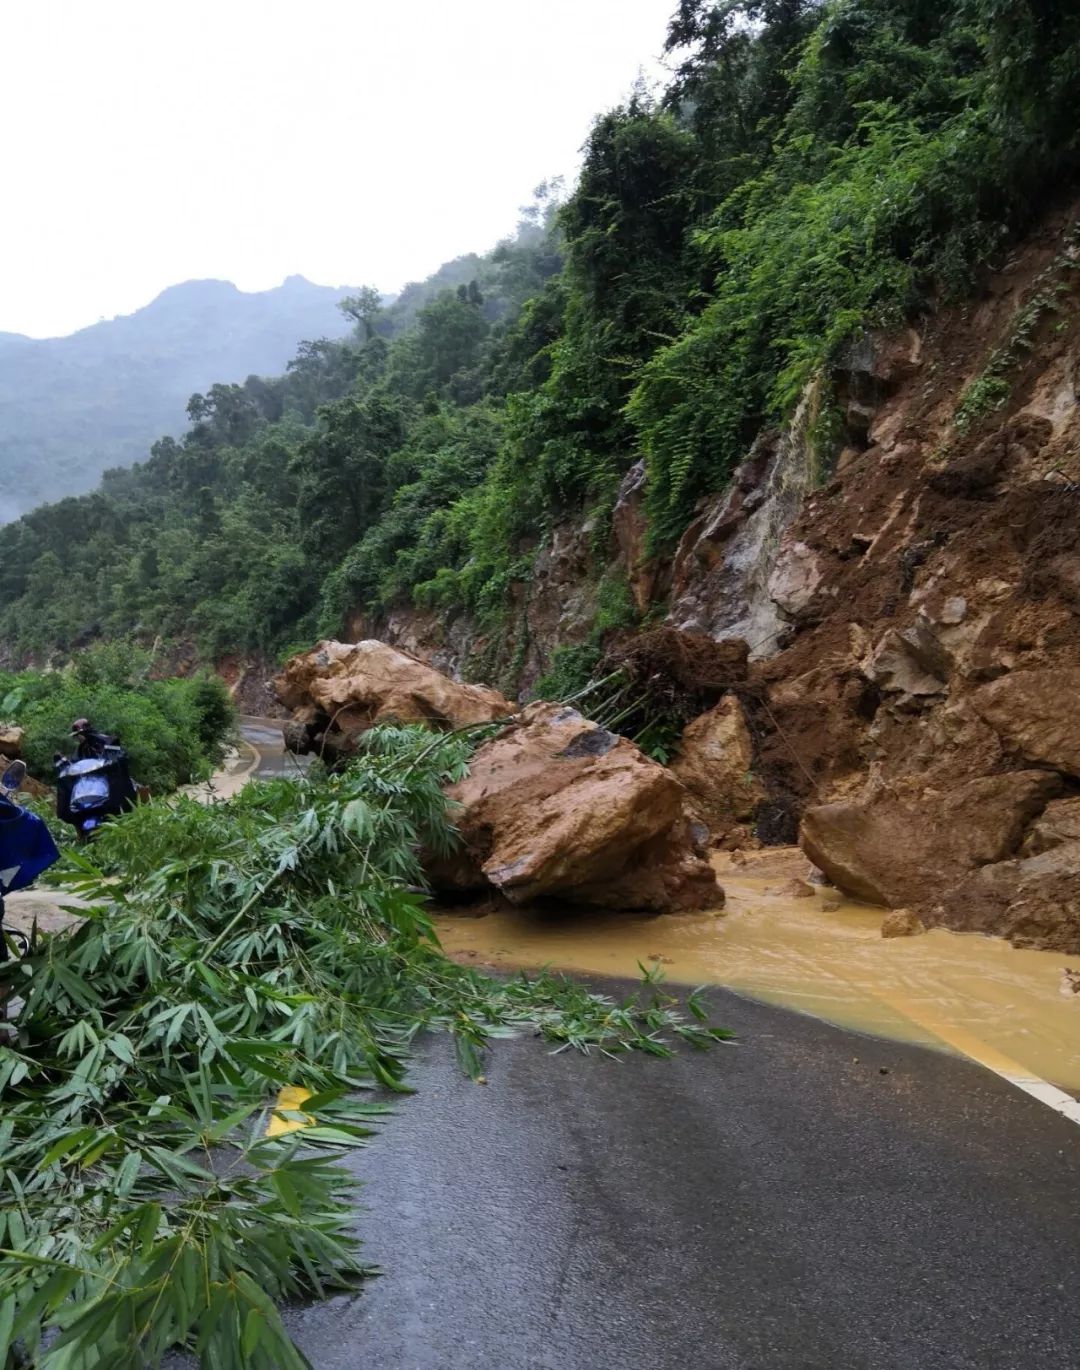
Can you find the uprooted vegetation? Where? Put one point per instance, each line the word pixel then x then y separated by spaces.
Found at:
pixel 227 952
pixel 648 686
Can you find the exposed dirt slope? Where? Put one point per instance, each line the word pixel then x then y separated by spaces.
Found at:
pixel 940 641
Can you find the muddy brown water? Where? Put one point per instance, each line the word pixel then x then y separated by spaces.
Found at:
pixel 953 991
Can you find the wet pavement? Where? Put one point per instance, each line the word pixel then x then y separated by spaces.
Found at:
pixel 808 1200
pixel 264 735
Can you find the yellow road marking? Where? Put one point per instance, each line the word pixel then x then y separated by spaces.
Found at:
pixel 983 1054
pixel 291 1100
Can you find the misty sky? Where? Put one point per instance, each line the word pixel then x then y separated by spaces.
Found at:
pixel 354 141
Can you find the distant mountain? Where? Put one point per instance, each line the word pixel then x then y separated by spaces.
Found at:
pixel 72 407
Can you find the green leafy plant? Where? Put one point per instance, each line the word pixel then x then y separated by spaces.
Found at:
pixel 991 390
pixel 228 952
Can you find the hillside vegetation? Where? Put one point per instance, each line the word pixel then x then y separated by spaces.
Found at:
pixel 70 408
pixel 810 171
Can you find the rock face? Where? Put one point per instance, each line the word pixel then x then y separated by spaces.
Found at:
pixel 906 849
pixel 1059 823
pixel 556 807
pixel 1035 713
pixel 1034 902
pixel 339 690
pixel 629 529
pixel 714 762
pixel 726 562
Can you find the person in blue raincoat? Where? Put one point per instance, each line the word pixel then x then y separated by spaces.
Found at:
pixel 26 845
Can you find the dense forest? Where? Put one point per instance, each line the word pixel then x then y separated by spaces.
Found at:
pixel 811 170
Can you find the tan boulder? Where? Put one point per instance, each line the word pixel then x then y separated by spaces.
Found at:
pixel 339 690
pixel 11 741
pixel 903 848
pixel 902 923
pixel 556 807
pixel 669 874
pixel 1035 713
pixel 795 578
pixel 714 763
pixel 912 662
pixel 797 889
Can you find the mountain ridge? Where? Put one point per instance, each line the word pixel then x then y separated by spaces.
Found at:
pixel 73 406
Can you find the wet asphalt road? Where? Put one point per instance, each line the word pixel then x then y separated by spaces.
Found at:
pixel 264 734
pixel 777 1204
pixel 808 1200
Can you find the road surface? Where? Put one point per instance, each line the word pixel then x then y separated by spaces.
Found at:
pixel 809 1199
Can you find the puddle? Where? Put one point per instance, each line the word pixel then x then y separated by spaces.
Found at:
pixel 832 964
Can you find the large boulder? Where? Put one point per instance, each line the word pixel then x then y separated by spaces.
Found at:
pixel 556 807
pixel 905 848
pixel 1035 714
pixel 714 762
pixel 339 690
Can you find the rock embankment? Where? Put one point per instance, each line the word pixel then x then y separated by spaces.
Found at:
pixel 925 705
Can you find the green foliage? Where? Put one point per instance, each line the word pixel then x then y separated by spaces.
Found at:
pixel 991 389
pixel 229 951
pixel 570 672
pixel 893 176
pixel 173 730
pixel 985 394
pixel 614 605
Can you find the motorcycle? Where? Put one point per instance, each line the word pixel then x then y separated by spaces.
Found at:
pixel 94 785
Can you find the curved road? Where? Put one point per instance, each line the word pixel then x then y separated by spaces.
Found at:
pixel 807 1200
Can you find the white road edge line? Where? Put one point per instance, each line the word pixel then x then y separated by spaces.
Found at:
pixel 1047 1094
pixel 965 1043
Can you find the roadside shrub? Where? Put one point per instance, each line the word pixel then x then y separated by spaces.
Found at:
pixel 173 730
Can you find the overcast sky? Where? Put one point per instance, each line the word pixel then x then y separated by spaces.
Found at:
pixel 148 142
